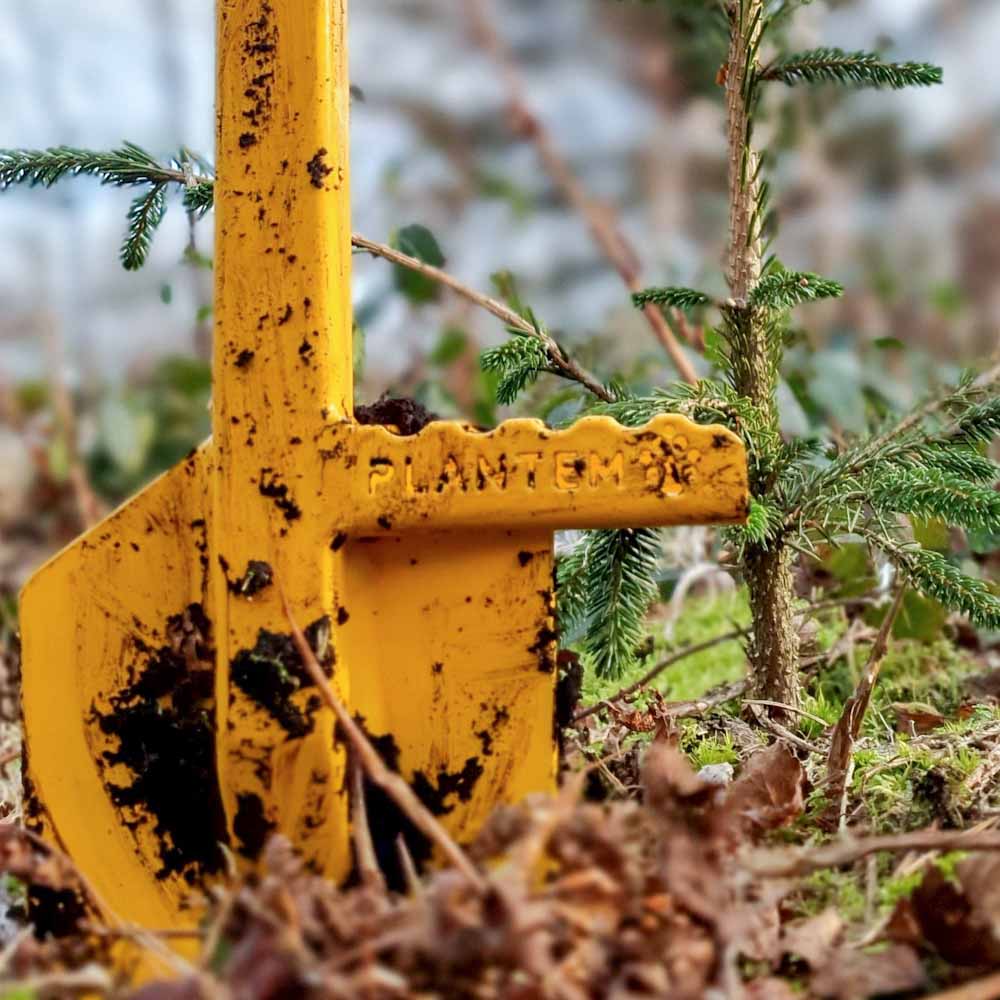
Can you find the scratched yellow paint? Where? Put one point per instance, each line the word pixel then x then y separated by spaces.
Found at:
pixel 423 564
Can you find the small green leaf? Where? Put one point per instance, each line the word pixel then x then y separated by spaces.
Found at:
pixel 920 618
pixel 417 241
pixel 889 344
pixel 166 293
pixel 126 433
pixel 452 344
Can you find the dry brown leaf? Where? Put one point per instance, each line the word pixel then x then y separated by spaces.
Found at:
pixel 770 988
pixel 962 921
pixel 768 794
pixel 915 718
pixel 856 975
pixel 903 926
pixel 813 940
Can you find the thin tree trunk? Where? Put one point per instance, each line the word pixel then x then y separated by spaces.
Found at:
pixel 774 645
pixel 774 648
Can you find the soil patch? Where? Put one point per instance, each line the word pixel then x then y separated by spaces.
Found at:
pixel 164 724
pixel 407 415
pixel 273 671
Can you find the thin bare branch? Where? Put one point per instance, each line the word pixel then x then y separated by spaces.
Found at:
pixel 683 709
pixel 600 218
pixel 375 769
pixel 790 862
pixel 848 728
pixel 561 363
pixel 371 874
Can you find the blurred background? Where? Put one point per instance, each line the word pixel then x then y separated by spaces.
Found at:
pixel 103 375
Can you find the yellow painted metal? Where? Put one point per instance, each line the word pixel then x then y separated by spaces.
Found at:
pixel 164 708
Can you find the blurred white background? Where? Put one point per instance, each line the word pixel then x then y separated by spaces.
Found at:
pixel 905 184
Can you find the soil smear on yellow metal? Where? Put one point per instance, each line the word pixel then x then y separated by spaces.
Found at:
pixel 164 724
pixel 272 672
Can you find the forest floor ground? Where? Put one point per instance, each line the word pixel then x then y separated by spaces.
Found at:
pixel 694 850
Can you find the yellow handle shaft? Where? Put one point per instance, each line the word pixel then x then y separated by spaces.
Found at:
pixel 283 252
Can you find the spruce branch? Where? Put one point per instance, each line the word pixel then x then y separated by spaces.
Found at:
pixel 144 217
pixel 965 417
pixel 619 574
pixel 787 289
pixel 858 69
pixel 571 586
pixel 518 362
pixel 199 198
pixel 127 166
pixel 957 460
pixel 979 424
pixel 941 580
pixel 705 402
pixel 933 493
pixel 671 298
pixel 763 525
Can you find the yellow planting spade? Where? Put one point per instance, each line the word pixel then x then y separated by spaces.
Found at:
pixel 166 709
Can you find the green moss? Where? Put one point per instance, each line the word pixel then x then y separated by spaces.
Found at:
pixel 823 708
pixel 704 750
pixel 702 618
pixel 928 672
pixel 892 890
pixel 842 890
pixel 947 864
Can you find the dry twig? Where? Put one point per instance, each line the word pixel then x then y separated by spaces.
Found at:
pixel 371 874
pixel 561 363
pixel 687 709
pixel 681 709
pixel 390 782
pixel 848 728
pixel 600 219
pixel 788 863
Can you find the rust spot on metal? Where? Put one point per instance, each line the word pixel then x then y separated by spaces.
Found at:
pixel 318 168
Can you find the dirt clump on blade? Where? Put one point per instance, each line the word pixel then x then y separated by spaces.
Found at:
pixel 406 415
